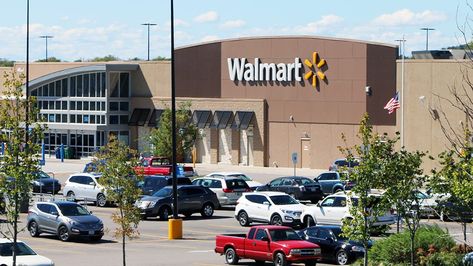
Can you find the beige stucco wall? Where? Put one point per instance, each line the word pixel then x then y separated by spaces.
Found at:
pixel 425 82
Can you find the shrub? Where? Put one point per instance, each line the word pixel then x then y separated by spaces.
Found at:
pixel 396 248
pixel 444 259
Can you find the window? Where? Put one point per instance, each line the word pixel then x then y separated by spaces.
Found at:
pixel 312 232
pixel 113 106
pixel 58 105
pixel 86 119
pixel 124 106
pixel 86 85
pixel 58 88
pixel 276 183
pixel 260 234
pixel 113 119
pixel 328 202
pixel 64 105
pixel 251 234
pixel 79 105
pixel 124 84
pixel 58 118
pixel 73 86
pixel 114 78
pixel 236 184
pixel 72 105
pixel 85 106
pixel 44 207
pixel 103 106
pixel 64 118
pixel 52 118
pixel 51 105
pixel 92 85
pixel 102 86
pixel 287 182
pixel 21 250
pixel 324 234
pixel 79 86
pixel 92 106
pixel 259 199
pixel 123 119
pixel 92 119
pixel 79 119
pixel 64 88
pixel 340 202
pixel 193 191
pixel 51 89
pixel 328 176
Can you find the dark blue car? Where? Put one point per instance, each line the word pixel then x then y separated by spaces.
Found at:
pixel 335 247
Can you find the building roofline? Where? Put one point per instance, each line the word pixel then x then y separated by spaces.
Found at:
pixel 288 37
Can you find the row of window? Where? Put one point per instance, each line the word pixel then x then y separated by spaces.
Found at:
pixel 58 88
pixel 87 106
pixel 88 85
pixel 83 105
pixel 79 119
pixel 118 119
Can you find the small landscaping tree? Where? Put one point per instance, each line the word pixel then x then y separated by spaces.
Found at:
pixel 120 182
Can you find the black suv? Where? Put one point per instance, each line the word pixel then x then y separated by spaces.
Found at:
pixel 299 187
pixel 153 183
pixel 191 199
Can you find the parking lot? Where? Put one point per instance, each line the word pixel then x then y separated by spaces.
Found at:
pixel 153 247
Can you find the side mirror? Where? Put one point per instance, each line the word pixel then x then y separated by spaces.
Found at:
pixel 90 212
pixel 265 238
pixel 92 183
pixel 54 213
pixel 318 204
pixel 266 203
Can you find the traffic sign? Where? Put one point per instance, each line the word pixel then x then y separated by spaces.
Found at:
pixel 294 157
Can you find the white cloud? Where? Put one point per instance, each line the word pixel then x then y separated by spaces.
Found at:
pixel 408 17
pixel 209 38
pixel 325 23
pixel 207 17
pixel 178 23
pixel 233 23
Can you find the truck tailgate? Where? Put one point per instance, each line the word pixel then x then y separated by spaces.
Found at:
pixel 237 241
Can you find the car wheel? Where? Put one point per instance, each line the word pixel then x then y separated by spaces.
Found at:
pixel 310 263
pixel 276 220
pixel 71 196
pixel 164 213
pixel 63 233
pixel 101 200
pixel 207 210
pixel 280 259
pixel 443 217
pixel 33 228
pixel 342 257
pixel 243 218
pixel 309 221
pixel 96 238
pixel 231 257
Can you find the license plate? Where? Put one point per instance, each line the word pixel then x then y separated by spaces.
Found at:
pixel 238 193
pixel 91 232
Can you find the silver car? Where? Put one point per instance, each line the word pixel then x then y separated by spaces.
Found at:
pixel 64 219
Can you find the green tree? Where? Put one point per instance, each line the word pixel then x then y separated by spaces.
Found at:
pixel 161 58
pixel 21 159
pixel 105 58
pixel 6 63
pixel 120 183
pixel 455 178
pixel 367 175
pixel 186 133
pixel 50 59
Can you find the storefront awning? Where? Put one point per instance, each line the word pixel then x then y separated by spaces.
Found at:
pixel 221 119
pixel 155 118
pixel 242 120
pixel 138 117
pixel 201 118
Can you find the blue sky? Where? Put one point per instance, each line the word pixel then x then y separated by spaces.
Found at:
pixel 86 29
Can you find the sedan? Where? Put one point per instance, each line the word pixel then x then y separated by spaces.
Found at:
pixel 335 247
pixel 24 256
pixel 64 219
pixel 299 187
pixel 43 183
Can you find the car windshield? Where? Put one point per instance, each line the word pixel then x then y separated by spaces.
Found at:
pixel 42 175
pixel 73 210
pixel 283 235
pixel 283 200
pixel 240 176
pixel 164 192
pixel 421 195
pixel 22 250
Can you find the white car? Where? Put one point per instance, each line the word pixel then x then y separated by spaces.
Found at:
pixel 25 255
pixel 251 183
pixel 228 190
pixel 335 208
pixel 275 208
pixel 85 186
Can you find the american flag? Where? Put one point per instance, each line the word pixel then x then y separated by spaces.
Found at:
pixel 393 104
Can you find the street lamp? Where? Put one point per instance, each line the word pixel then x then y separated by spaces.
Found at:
pixel 427 37
pixel 402 47
pixel 46 37
pixel 148 25
pixel 27 85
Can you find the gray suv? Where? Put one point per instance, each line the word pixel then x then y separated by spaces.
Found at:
pixel 64 219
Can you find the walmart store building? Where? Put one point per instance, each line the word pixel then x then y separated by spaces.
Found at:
pixel 254 100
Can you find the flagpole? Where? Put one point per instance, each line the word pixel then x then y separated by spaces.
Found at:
pixel 402 92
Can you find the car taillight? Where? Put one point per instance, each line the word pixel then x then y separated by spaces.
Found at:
pixel 227 190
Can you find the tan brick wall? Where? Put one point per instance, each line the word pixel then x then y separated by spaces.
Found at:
pixel 213 145
pixel 235 147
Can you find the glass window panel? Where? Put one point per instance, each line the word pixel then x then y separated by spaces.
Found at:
pixel 79 105
pixel 40 92
pixel 45 105
pixel 52 139
pixel 79 140
pixel 51 89
pixel 103 119
pixel 86 119
pixel 58 105
pixel 86 106
pixel 91 140
pixel 51 118
pixel 72 105
pixel 58 118
pixel 124 119
pixel 93 86
pixel 64 105
pixel 72 118
pixel 92 106
pixel 64 88
pixel 124 84
pixel 113 106
pixel 34 92
pixel 44 117
pixel 92 119
pixel 124 106
pixel 79 119
pixel 86 85
pixel 86 140
pixel 73 86
pixel 123 137
pixel 103 106
pixel 113 119
pixel 79 86
pixel 73 139
pixel 64 118
pixel 58 89
pixel 51 105
pixel 44 91
pixel 64 138
pixel 103 84
pixel 114 84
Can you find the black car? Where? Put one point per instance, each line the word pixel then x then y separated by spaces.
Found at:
pixel 301 188
pixel 153 183
pixel 450 209
pixel 191 198
pixel 43 183
pixel 334 246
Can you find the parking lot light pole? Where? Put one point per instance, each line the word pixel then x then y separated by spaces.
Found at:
pixel 175 224
pixel 46 37
pixel 148 25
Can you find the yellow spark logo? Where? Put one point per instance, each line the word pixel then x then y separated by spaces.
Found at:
pixel 315 69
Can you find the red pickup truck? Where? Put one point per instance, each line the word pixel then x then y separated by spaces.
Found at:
pixel 279 244
pixel 160 166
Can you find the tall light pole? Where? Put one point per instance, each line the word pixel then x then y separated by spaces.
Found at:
pixel 148 25
pixel 427 37
pixel 175 224
pixel 402 46
pixel 46 37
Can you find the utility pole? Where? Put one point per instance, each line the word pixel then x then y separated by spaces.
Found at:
pixel 46 37
pixel 148 25
pixel 427 37
pixel 402 47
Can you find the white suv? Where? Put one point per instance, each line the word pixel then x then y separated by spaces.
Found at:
pixel 85 186
pixel 335 208
pixel 228 175
pixel 275 208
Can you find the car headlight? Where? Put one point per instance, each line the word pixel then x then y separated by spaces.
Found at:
pixel 358 249
pixel 151 204
pixel 295 251
pixel 287 211
pixel 38 183
pixel 72 222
